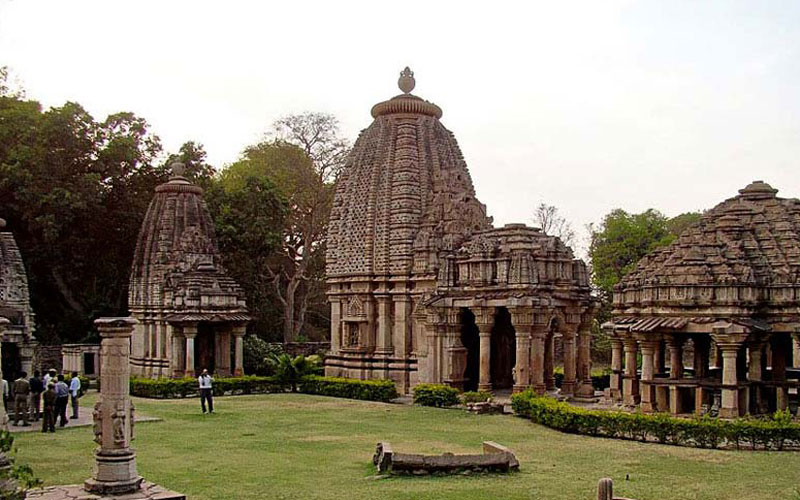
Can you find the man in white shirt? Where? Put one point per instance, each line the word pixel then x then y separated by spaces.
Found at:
pixel 74 393
pixel 206 392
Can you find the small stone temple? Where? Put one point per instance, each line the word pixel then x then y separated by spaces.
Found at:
pixel 424 289
pixel 191 314
pixel 728 289
pixel 15 304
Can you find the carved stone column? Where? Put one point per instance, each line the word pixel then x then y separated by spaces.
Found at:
pixel 675 346
pixel 729 344
pixel 649 347
pixel 779 354
pixel 585 387
pixel 522 319
pixel 115 462
pixel 630 381
pixel 383 343
pixel 178 356
pixel 189 333
pixel 616 369
pixel 549 359
pixel 484 318
pixel 238 332
pixel 754 369
pixel 336 325
pixel 796 350
pixel 537 361
pixel 3 414
pixel 570 353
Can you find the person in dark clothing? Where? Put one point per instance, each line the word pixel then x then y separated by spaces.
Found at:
pixel 37 388
pixel 206 392
pixel 49 414
pixel 62 399
pixel 22 391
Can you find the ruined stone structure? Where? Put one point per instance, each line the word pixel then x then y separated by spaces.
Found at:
pixel 189 310
pixel 423 288
pixel 15 304
pixel 730 287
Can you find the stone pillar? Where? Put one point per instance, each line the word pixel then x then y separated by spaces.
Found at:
pixel 570 372
pixel 484 319
pixel 238 353
pixel 779 371
pixel 584 360
pixel 549 355
pixel 537 361
pixel 522 380
pixel 647 391
pixel 616 369
pixel 796 350
pixel 336 326
pixel 675 345
pixel 630 381
pixel 658 359
pixel 189 333
pixel 114 470
pixel 178 356
pixel 754 370
pixel 730 388
pixel 402 323
pixel 3 414
pixel 383 343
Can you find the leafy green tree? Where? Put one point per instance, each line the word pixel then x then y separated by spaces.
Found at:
pixel 288 370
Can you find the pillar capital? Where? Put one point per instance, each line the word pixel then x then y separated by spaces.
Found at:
pixel 189 330
pixel 484 317
pixel 115 327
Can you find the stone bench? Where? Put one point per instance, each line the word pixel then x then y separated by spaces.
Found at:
pixel 495 458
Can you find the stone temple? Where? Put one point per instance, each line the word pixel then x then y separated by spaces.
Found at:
pixel 424 289
pixel 190 311
pixel 729 289
pixel 15 304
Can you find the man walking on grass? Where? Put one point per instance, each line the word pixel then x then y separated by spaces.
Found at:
pixel 206 392
pixel 49 413
pixel 22 391
pixel 74 393
pixel 37 388
pixel 62 399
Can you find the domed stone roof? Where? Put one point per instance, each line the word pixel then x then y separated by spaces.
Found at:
pixel 405 184
pixel 176 261
pixel 744 251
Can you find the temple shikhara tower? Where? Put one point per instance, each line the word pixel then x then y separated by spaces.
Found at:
pixel 728 289
pixel 424 289
pixel 15 304
pixel 191 314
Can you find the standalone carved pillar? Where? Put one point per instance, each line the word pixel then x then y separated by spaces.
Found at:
pixel 630 382
pixel 523 364
pixel 649 348
pixel 616 369
pixel 3 414
pixel 730 388
pixel 570 373
pixel 238 353
pixel 189 332
pixel 549 358
pixel 115 462
pixel 485 374
pixel 178 356
pixel 537 361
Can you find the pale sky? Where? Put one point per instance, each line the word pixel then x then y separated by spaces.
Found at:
pixel 588 106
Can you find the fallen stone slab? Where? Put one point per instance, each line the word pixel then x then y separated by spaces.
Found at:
pixel 495 458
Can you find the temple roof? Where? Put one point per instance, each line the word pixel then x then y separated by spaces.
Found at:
pixel 405 176
pixel 14 294
pixel 749 241
pixel 177 265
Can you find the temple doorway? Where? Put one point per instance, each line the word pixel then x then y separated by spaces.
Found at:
pixel 204 346
pixel 503 350
pixel 471 340
pixel 12 364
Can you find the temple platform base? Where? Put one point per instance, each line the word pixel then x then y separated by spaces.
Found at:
pixel 148 491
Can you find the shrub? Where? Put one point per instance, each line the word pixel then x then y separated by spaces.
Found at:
pixel 438 395
pixel 256 352
pixel 369 390
pixel 290 370
pixel 15 479
pixel 165 388
pixel 476 397
pixel 773 433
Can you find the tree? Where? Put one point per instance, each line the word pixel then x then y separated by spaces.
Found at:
pixel 551 222
pixel 622 239
pixel 318 135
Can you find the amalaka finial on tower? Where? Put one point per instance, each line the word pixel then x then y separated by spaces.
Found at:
pixel 406 81
pixel 178 169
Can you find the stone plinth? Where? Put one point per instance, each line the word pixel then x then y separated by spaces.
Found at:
pixel 147 491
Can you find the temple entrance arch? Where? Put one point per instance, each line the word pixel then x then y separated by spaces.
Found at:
pixel 471 341
pixel 503 350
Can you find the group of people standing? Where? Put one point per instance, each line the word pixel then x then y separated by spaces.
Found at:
pixel 51 390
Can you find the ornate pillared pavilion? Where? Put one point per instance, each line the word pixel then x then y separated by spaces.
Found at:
pixel 191 314
pixel 729 289
pixel 424 289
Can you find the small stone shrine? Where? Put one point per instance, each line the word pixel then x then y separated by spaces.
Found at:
pixel 15 304
pixel 729 288
pixel 114 475
pixel 423 288
pixel 191 314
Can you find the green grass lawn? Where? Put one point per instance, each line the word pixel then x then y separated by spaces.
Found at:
pixel 307 447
